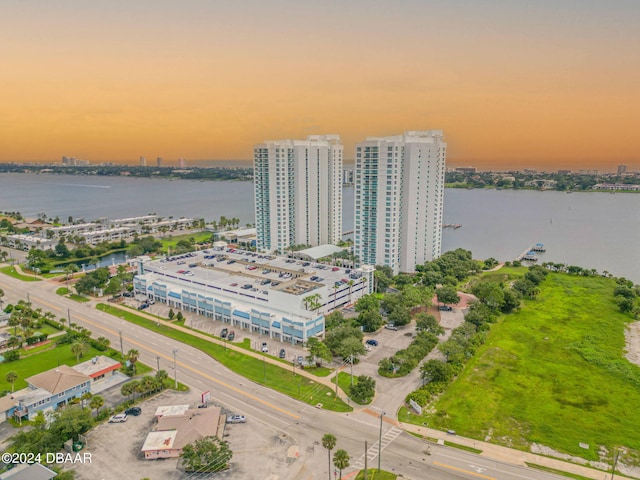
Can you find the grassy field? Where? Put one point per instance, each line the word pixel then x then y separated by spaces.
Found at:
pixel 172 240
pixel 11 271
pixel 32 365
pixel 552 373
pixel 277 378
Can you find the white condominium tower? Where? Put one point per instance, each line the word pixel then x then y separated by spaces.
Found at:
pixel 298 192
pixel 399 192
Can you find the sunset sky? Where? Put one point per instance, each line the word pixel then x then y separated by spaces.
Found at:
pixel 513 83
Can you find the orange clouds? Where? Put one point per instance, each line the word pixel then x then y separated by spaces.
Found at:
pixel 209 83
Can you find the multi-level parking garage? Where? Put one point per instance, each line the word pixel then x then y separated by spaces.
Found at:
pixel 283 298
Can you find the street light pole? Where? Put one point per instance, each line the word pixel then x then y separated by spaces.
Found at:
pixel 121 349
pixel 380 442
pixel 69 316
pixel 158 360
pixel 175 370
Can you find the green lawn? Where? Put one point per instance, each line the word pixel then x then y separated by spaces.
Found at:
pixel 26 367
pixel 11 271
pixel 277 378
pixel 173 241
pixel 62 291
pixel 552 373
pixel 78 298
pixel 373 474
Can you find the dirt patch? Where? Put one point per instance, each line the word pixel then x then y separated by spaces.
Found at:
pixel 632 340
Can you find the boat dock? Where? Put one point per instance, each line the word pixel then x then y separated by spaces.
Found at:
pixel 529 255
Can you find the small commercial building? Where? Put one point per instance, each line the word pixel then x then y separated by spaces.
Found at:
pixel 173 431
pixel 47 391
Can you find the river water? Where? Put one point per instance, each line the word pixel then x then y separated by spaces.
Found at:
pixel 592 230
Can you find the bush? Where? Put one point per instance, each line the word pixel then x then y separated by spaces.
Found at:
pixel 11 356
pixel 8 308
pixel 53 323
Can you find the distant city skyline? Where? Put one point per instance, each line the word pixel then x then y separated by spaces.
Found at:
pixel 547 85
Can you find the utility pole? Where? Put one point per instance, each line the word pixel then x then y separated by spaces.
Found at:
pixel 365 460
pixel 175 370
pixel 264 368
pixel 351 362
pixel 615 462
pixel 380 442
pixel 158 360
pixel 121 349
pixel 69 317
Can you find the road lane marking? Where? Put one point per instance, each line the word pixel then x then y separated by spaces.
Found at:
pixel 194 370
pixel 451 467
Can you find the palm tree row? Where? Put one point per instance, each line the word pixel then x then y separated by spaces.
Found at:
pixel 340 457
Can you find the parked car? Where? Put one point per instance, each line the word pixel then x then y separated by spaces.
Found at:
pixel 372 342
pixel 224 332
pixel 300 360
pixel 283 353
pixel 142 306
pixel 135 411
pixel 120 418
pixel 237 419
pixel 231 336
pixel 128 294
pixel 391 326
pixel 265 347
pixel 445 308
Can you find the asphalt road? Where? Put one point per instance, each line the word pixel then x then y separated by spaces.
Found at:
pixel 402 453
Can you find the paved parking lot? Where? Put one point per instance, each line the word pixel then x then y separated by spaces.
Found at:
pixel 116 454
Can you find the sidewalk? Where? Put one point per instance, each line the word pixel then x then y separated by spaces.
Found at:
pixel 508 455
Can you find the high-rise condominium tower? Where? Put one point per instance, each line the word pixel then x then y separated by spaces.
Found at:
pixel 399 192
pixel 298 192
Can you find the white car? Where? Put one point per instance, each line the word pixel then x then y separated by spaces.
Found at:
pixel 120 418
pixel 237 419
pixel 265 347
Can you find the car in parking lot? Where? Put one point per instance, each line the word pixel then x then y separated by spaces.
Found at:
pixel 142 306
pixel 391 326
pixel 300 360
pixel 283 353
pixel 372 342
pixel 119 418
pixel 445 308
pixel 224 333
pixel 135 411
pixel 237 419
pixel 265 347
pixel 231 336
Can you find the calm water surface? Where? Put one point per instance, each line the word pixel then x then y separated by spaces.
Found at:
pixel 593 230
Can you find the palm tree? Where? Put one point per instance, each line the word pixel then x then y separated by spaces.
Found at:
pixel 14 342
pixel 329 442
pixel 132 356
pixel 97 402
pixel 11 378
pixel 79 348
pixel 341 460
pixel 128 389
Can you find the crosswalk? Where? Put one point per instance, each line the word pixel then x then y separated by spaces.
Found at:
pixel 375 449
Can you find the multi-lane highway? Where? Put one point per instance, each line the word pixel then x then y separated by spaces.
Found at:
pixel 401 452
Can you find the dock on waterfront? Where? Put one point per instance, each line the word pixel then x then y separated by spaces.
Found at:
pixel 529 255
